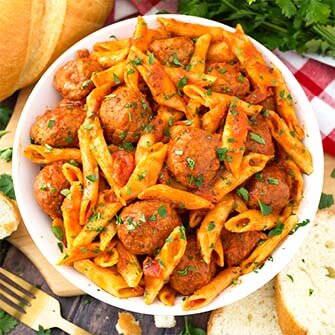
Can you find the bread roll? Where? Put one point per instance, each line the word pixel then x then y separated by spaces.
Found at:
pixel 305 289
pixel 33 33
pixel 9 216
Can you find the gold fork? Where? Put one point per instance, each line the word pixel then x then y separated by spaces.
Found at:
pixel 32 306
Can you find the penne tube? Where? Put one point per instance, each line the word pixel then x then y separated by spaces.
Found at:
pixel 94 100
pixel 107 259
pixel 144 144
pixel 141 36
pixel 158 34
pixel 195 218
pixel 285 107
pixel 112 45
pixel 78 253
pixel 45 154
pixel 251 220
pixel 72 173
pixel 107 235
pixel 90 174
pixel 128 266
pixel 251 164
pixel 291 145
pixel 239 205
pixel 162 88
pixel 198 59
pixel 220 52
pixel 110 58
pixel 181 198
pixel 211 99
pixel 146 172
pixel 181 77
pixel 211 120
pixel 167 295
pixel 190 29
pixel 207 293
pixel 111 76
pixel 192 113
pixel 234 138
pixel 108 279
pixel 71 212
pixel 212 225
pixel 168 258
pixel 264 250
pixel 218 250
pixel 296 181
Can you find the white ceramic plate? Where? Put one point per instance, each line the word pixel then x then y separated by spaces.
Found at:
pixel 38 224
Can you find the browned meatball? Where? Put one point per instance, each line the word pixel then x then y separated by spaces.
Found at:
pixel 270 187
pixel 192 272
pixel 229 80
pixel 123 115
pixel 192 156
pixel 49 182
pixel 237 246
pixel 259 132
pixel 59 127
pixel 173 50
pixel 145 225
pixel 73 80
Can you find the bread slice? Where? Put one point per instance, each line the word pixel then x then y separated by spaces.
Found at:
pixel 9 216
pixel 305 289
pixel 252 315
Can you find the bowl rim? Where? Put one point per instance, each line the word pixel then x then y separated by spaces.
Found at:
pixel 286 250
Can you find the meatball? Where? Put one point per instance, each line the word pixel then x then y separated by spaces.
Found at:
pixel 73 80
pixel 192 157
pixel 124 114
pixel 48 185
pixel 59 127
pixel 192 272
pixel 258 126
pixel 173 50
pixel 237 246
pixel 229 80
pixel 270 187
pixel 145 225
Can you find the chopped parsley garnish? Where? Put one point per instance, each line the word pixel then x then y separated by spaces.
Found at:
pixel 151 58
pixel 162 211
pixel 190 162
pixel 51 123
pixel 118 219
pixel 185 271
pixel 128 146
pixel 211 226
pixel 310 291
pixel 92 178
pixel 332 175
pixel 265 209
pixel 58 232
pixel 291 278
pixel 48 147
pixel 209 92
pixel 6 154
pixel 153 218
pixel 65 192
pixel 221 152
pixel 86 83
pixel 73 162
pixel 243 193
pixel 88 126
pixel 259 176
pixel 69 140
pixel 326 200
pixel 257 138
pixel 131 71
pixel 182 233
pixel 95 217
pixel 223 70
pixel 231 140
pixel 175 60
pixel 142 175
pixel 181 83
pixel 116 79
pixel 277 230
pixel 272 181
pixel 298 225
pixel 137 61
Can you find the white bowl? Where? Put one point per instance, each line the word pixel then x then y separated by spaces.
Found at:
pixel 38 224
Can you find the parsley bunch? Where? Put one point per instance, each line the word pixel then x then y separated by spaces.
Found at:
pixel 301 25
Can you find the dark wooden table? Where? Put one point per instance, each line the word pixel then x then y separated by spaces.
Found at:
pixel 96 317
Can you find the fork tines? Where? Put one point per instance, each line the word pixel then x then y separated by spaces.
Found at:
pixel 14 291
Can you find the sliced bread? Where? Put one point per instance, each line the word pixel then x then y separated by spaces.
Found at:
pixel 305 289
pixel 252 315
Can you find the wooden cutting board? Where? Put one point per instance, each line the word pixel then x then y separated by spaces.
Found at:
pixel 21 238
pixel 23 241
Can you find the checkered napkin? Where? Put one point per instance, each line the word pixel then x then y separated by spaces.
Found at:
pixel 317 79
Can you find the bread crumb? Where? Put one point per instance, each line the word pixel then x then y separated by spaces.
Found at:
pixel 128 325
pixel 165 321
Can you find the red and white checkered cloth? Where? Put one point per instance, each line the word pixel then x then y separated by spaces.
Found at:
pixel 317 79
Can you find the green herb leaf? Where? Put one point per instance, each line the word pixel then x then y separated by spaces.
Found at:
pixel 265 209
pixel 92 178
pixel 6 154
pixel 116 79
pixel 42 331
pixel 326 200
pixel 6 185
pixel 162 211
pixel 7 323
pixel 277 230
pixel 186 270
pixel 190 162
pixel 86 83
pixel 243 193
pixel 291 278
pixel 272 181
pixel 58 232
pixel 128 146
pixel 51 123
pixel 298 225
pixel 5 114
pixel 175 60
pixel 257 138
pixel 211 226
pixel 3 132
pixel 332 175
pixel 151 58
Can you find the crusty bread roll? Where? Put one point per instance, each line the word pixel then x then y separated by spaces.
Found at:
pixel 34 32
pixel 9 216
pixel 305 289
pixel 252 315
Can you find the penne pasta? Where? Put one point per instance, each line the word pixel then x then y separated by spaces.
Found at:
pixel 234 138
pixel 239 205
pixel 181 198
pixel 114 45
pixel 128 266
pixel 108 279
pixel 207 293
pixel 264 250
pixel 212 225
pixel 109 257
pixel 72 173
pixel 198 59
pixel 110 76
pixel 211 120
pixel 251 220
pixel 167 295
pixel 45 154
pixel 145 173
pixel 192 113
pixel 107 235
pixel 168 257
pixel 211 99
pixel 95 98
pixel 251 164
pixel 218 250
pixel 110 58
pixel 195 218
pixel 291 145
pixel 220 52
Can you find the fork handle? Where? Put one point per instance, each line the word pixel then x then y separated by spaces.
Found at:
pixel 70 327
